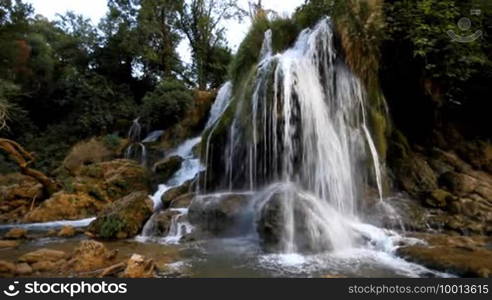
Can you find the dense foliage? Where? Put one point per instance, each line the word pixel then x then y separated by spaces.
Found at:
pixel 65 80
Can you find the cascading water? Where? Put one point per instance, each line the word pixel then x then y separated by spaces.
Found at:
pixel 302 140
pixel 136 149
pixel 298 150
pixel 191 166
pixel 220 105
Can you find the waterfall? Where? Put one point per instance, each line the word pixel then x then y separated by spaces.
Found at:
pixel 301 140
pixel 136 149
pixel 190 168
pixel 220 105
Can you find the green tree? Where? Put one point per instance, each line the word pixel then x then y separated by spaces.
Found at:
pixel 159 38
pixel 201 22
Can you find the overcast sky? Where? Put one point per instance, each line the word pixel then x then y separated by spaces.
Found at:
pixel 96 9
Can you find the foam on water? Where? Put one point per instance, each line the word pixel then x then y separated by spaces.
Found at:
pixel 50 225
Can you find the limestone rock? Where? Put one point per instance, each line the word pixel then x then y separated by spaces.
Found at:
pixel 23 269
pixel 16 234
pixel 167 167
pixel 183 201
pixel 174 193
pixel 139 267
pixel 46 266
pixel 67 231
pixel 43 255
pixel 464 256
pixel 7 267
pixel 123 219
pixel 8 244
pixel 438 198
pixel 90 255
pixel 217 214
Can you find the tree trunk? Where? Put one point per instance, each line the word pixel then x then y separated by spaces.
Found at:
pixel 23 159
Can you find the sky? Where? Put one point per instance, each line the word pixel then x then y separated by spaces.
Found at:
pixel 96 9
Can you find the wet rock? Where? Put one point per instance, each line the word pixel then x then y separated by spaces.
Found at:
pixel 174 193
pixel 162 222
pixel 43 255
pixel 183 201
pixel 124 218
pixel 464 256
pixel 139 267
pixel 67 231
pixel 458 183
pixel 273 221
pixel 217 214
pixel 89 256
pixel 439 199
pixel 167 167
pixel 477 153
pixel 270 225
pixel 23 269
pixel 415 176
pixel 16 234
pixel 8 244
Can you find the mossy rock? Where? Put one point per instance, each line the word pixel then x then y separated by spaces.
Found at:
pixel 112 180
pixel 166 168
pixel 174 193
pixel 438 199
pixel 124 218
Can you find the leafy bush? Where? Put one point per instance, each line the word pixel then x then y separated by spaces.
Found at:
pixel 423 27
pixel 166 105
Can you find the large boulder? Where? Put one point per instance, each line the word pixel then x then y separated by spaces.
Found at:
pixel 288 220
pixel 166 168
pixel 95 187
pixel 112 180
pixel 162 221
pixel 123 219
pixel 183 201
pixel 272 223
pixel 217 214
pixel 65 206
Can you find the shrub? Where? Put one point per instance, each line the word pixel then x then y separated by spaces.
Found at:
pixel 166 105
pixel 84 153
pixel 112 141
pixel 110 227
